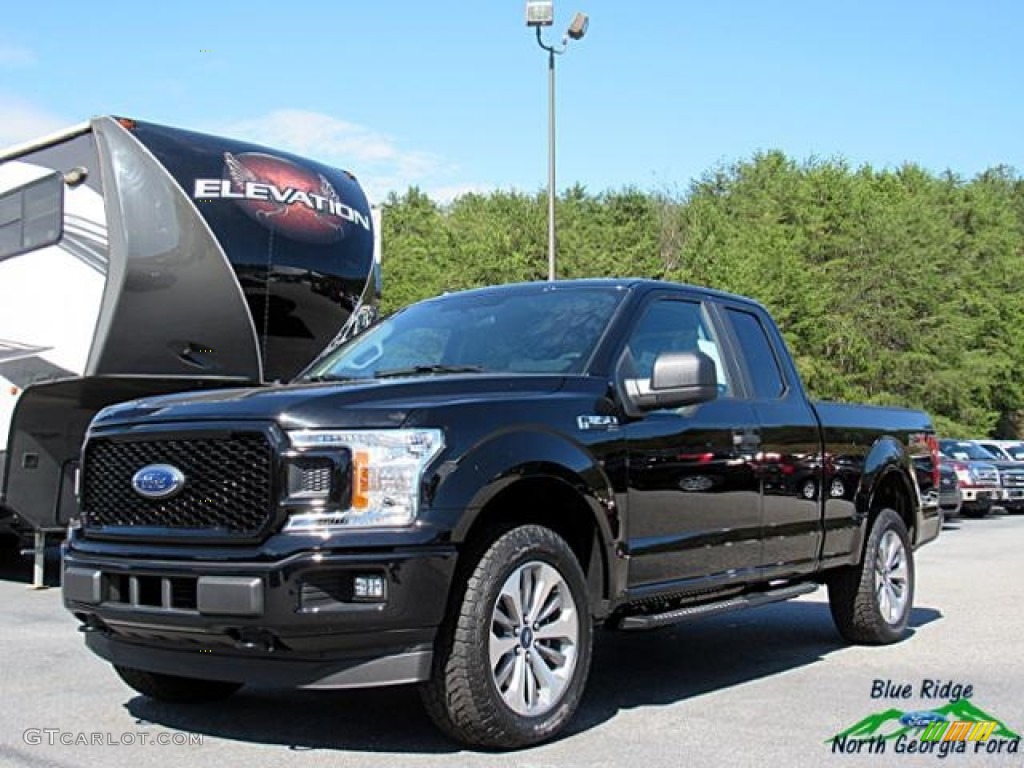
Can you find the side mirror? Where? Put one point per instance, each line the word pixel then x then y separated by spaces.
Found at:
pixel 678 379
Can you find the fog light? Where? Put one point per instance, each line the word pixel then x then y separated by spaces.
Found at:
pixel 368 587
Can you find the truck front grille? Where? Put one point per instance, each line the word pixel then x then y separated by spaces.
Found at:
pixel 1012 478
pixel 227 489
pixel 986 477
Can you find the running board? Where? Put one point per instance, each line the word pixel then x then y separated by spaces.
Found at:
pixel 752 600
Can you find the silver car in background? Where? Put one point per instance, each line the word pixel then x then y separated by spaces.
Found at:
pixel 1004 450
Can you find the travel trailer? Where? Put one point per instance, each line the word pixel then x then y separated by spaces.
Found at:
pixel 137 259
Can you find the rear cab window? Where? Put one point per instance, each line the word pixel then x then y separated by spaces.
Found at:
pixel 757 355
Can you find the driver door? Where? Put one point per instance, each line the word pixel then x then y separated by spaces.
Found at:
pixel 694 502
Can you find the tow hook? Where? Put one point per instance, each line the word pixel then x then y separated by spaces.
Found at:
pixel 258 640
pixel 91 624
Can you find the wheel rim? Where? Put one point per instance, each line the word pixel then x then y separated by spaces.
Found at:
pixel 892 583
pixel 534 639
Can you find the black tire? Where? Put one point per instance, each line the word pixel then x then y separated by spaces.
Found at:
pixel 867 605
pixel 464 696
pixel 177 689
pixel 975 512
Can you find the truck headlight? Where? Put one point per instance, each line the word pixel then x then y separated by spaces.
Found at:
pixel 387 467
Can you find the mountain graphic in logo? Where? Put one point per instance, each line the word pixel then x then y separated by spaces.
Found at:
pixel 887 725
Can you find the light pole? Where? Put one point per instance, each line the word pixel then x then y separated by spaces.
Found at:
pixel 541 13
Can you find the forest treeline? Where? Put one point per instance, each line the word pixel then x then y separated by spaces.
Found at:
pixel 895 286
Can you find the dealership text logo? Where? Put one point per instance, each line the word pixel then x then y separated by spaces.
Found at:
pixel 956 726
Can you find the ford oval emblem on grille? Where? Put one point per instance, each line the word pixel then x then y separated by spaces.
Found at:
pixel 158 481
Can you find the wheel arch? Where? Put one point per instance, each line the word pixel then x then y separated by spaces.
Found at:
pixel 561 486
pixel 886 484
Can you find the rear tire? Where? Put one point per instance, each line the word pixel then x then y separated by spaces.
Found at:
pixel 512 658
pixel 177 689
pixel 871 602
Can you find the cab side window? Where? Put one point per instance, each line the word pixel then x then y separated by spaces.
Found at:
pixel 670 325
pixel 761 362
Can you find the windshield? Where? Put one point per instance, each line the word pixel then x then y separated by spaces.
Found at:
pixel 1013 451
pixel 540 329
pixel 964 450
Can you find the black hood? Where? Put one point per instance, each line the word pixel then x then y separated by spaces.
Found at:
pixel 376 403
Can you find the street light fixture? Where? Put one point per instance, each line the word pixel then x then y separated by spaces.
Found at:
pixel 541 13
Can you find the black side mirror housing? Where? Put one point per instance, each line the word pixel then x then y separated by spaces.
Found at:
pixel 678 379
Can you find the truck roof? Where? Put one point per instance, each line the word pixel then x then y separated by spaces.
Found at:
pixel 622 283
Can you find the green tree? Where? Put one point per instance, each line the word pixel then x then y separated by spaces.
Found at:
pixel 895 286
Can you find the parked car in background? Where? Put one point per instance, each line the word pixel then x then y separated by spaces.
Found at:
pixel 1011 477
pixel 976 473
pixel 947 493
pixel 1004 450
pixel 950 496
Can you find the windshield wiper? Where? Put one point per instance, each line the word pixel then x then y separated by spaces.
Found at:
pixel 333 377
pixel 414 370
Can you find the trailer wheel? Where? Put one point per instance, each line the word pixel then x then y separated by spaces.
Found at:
pixel 176 689
pixel 871 603
pixel 513 657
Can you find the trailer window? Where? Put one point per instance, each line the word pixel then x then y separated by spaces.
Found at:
pixel 31 216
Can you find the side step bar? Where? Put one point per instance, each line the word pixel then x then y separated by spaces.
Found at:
pixel 653 621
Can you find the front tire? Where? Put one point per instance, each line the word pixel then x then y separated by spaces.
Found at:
pixel 513 657
pixel 975 511
pixel 871 603
pixel 176 689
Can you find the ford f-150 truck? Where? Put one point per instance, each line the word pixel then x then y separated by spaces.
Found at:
pixel 459 495
pixel 978 474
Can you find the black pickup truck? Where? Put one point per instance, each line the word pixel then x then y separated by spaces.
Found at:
pixel 458 496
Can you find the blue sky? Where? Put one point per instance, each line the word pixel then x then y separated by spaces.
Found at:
pixel 452 96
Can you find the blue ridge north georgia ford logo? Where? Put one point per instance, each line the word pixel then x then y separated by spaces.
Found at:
pixel 158 481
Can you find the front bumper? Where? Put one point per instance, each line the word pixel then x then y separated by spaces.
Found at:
pixel 980 495
pixel 950 500
pixel 296 621
pixel 1012 499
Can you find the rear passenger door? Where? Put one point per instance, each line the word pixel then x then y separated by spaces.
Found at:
pixel 793 471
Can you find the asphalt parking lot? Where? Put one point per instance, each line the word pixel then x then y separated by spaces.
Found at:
pixel 765 687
